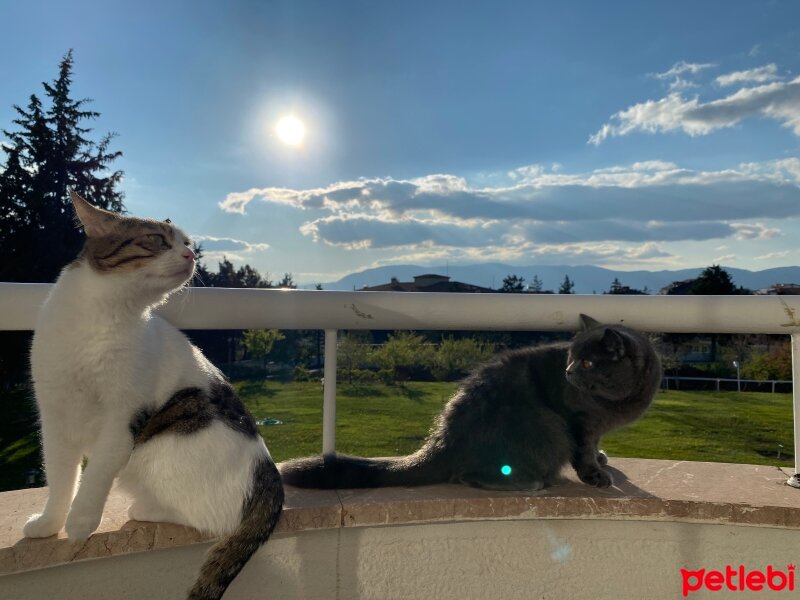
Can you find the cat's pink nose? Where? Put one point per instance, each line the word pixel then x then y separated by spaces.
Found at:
pixel 188 254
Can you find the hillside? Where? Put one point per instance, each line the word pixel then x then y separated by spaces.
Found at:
pixel 587 279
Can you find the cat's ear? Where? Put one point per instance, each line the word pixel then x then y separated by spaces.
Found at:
pixel 587 322
pixel 96 221
pixel 614 341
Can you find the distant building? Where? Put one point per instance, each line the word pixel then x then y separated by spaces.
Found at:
pixel 427 283
pixel 780 289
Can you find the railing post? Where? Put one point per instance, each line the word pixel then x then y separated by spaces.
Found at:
pixel 329 395
pixel 794 480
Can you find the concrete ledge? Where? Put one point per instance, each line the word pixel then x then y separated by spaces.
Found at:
pixel 652 490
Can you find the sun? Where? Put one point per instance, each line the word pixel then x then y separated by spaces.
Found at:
pixel 290 130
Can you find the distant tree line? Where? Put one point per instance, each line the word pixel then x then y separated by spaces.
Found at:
pixel 713 280
pixel 514 284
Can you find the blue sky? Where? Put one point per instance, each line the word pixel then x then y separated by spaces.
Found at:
pixel 621 134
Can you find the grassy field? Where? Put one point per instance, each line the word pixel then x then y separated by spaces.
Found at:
pixel 379 420
pixel 19 439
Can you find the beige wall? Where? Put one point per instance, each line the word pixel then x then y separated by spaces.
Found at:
pixel 531 559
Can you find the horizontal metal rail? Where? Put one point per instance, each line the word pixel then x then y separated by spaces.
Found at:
pixel 223 308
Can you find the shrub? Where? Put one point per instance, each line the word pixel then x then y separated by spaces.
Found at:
pixel 775 364
pixel 401 355
pixel 456 358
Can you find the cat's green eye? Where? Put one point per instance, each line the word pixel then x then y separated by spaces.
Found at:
pixel 586 363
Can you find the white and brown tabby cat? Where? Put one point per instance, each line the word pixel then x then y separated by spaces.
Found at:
pixel 125 389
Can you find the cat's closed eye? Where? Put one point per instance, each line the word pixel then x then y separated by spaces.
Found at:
pixel 157 239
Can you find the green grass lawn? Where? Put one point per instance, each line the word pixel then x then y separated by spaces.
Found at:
pixel 19 438
pixel 371 419
pixel 379 420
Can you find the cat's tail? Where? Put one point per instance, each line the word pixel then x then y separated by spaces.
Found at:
pixel 259 517
pixel 343 471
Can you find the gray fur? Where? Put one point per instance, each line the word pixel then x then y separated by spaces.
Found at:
pixel 522 410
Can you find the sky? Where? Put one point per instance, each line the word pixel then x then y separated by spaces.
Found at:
pixel 626 134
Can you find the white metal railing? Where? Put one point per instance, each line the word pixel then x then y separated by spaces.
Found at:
pixel 223 308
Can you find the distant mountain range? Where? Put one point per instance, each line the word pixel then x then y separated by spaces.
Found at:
pixel 587 279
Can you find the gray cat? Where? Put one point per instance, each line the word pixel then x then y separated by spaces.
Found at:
pixel 516 421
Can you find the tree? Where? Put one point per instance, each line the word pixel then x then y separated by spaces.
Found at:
pixel 352 353
pixel 402 353
pixel 49 155
pixel 775 364
pixel 566 286
pixel 229 276
pixel 287 282
pixel 223 345
pixel 536 286
pixel 618 288
pixel 715 280
pixel 259 342
pixel 513 284
pixel 456 358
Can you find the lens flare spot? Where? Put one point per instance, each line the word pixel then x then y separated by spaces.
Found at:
pixel 506 470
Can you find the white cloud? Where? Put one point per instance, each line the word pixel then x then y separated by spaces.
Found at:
pixel 676 75
pixel 681 67
pixel 754 231
pixel 216 248
pixel 773 255
pixel 758 75
pixel 614 215
pixel 607 254
pixel 778 100
pixel 680 85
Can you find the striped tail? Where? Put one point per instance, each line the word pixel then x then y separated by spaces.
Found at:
pixel 345 472
pixel 259 517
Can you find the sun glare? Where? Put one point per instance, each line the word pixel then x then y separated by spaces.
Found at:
pixel 290 130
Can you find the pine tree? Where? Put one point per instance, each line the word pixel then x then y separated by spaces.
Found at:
pixel 287 282
pixel 512 284
pixel 715 280
pixel 566 286
pixel 50 155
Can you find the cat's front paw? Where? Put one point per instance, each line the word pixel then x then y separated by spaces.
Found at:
pixel 597 477
pixel 79 527
pixel 41 526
